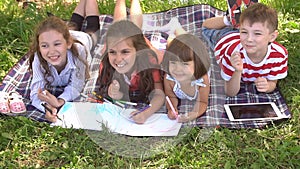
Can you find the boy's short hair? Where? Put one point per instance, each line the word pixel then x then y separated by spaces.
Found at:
pixel 259 12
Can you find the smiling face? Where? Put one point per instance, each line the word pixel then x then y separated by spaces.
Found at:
pixel 255 38
pixel 182 71
pixel 53 48
pixel 122 55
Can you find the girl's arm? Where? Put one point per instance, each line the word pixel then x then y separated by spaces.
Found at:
pixel 156 102
pixel 201 102
pixel 168 87
pixel 37 96
pixel 37 84
pixel 202 99
pixel 114 90
pixel 76 81
pixel 51 99
pixel 158 98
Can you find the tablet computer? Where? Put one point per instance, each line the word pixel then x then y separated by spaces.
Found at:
pixel 253 111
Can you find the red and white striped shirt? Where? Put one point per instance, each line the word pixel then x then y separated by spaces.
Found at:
pixel 273 67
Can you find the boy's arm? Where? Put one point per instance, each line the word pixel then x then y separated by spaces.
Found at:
pixel 232 87
pixel 272 85
pixel 264 85
pixel 214 23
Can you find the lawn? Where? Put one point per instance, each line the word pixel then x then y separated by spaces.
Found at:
pixel 28 144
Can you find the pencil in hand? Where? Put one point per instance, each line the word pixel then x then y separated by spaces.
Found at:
pixel 47 108
pixel 171 106
pixel 141 110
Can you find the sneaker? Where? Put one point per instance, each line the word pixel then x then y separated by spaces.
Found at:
pixel 234 10
pixel 4 104
pixel 16 103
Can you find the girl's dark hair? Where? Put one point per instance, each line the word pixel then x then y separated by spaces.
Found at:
pixel 184 48
pixel 52 23
pixel 123 30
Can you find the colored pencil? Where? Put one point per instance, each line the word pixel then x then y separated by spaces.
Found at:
pixel 141 110
pixel 84 95
pixel 97 95
pixel 126 102
pixel 94 100
pixel 171 106
pixel 47 108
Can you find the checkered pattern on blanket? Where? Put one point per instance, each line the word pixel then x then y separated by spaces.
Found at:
pixel 191 18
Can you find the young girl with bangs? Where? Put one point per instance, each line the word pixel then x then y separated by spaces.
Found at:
pixel 58 63
pixel 186 62
pixel 129 69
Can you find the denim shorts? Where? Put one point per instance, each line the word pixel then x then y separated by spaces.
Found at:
pixel 212 36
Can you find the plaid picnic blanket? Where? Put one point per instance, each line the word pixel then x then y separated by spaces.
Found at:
pixel 191 18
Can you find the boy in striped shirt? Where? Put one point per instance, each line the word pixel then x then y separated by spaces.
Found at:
pixel 250 53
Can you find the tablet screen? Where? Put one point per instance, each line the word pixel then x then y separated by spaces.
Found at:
pixel 252 111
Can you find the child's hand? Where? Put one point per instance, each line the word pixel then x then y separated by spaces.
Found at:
pixel 49 98
pixel 261 84
pixel 236 61
pixel 52 117
pixel 171 114
pixel 188 117
pixel 114 90
pixel 138 117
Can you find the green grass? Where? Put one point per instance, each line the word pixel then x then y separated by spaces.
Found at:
pixel 28 144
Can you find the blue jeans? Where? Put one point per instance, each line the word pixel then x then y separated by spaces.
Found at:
pixel 212 36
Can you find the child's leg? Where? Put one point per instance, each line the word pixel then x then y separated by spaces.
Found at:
pixel 136 13
pixel 212 36
pixel 92 16
pixel 234 9
pixel 91 8
pixel 80 8
pixel 175 29
pixel 249 2
pixel 120 10
pixel 215 23
pixel 78 16
pixel 179 31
